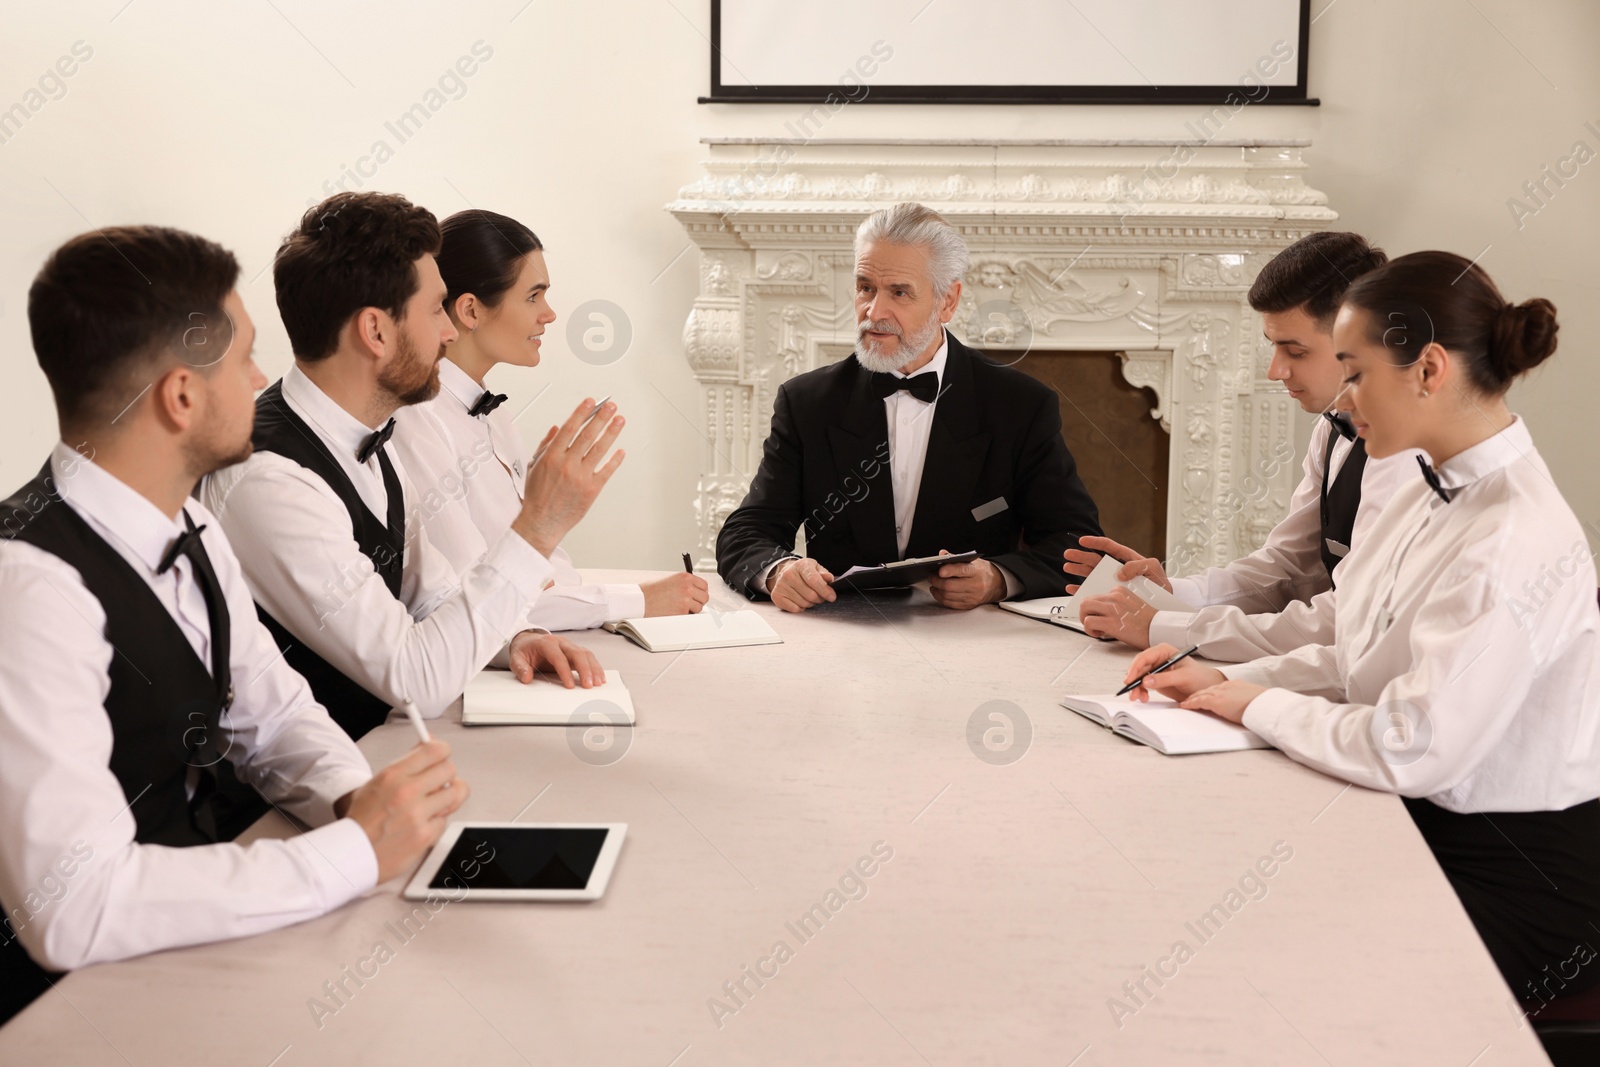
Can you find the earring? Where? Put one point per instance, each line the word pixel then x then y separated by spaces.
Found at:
pixel 1424 392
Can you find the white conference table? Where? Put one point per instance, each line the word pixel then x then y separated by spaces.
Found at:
pixel 1020 897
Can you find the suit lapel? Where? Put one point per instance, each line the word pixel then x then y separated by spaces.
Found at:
pixel 956 452
pixel 860 442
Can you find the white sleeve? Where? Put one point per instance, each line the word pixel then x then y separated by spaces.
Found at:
pixel 1288 566
pixel 571 604
pixel 1227 635
pixel 1472 667
pixel 77 888
pixel 292 536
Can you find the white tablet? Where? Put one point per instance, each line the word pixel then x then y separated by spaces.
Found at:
pixel 519 861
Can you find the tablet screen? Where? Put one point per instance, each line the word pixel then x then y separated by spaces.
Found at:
pixel 516 857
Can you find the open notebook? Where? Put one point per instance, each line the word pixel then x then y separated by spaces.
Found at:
pixel 1165 727
pixel 1063 610
pixel 496 698
pixel 709 629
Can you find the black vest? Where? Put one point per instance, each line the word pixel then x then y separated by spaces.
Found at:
pixel 166 713
pixel 278 429
pixel 1342 499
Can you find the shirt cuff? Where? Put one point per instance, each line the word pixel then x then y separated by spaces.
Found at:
pixel 318 811
pixel 1013 586
pixel 1249 672
pixel 340 859
pixel 1171 627
pixel 1188 590
pixel 623 602
pixel 1261 717
pixel 761 579
pixel 520 564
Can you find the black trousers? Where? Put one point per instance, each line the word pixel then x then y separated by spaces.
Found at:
pixel 1530 883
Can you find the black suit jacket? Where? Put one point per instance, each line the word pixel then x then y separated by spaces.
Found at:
pixel 995 441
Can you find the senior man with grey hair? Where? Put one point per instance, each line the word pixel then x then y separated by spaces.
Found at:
pixel 915 445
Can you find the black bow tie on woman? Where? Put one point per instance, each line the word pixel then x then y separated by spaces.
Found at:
pixel 925 387
pixel 487 403
pixel 1431 476
pixel 375 440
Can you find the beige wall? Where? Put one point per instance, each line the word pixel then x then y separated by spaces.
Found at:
pixel 583 123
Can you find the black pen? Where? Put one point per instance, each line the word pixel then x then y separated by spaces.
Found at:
pixel 687 566
pixel 1131 686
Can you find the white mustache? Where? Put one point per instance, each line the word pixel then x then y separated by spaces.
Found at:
pixel 878 326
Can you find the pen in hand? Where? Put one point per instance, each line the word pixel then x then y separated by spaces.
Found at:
pixel 688 567
pixel 1173 662
pixel 416 721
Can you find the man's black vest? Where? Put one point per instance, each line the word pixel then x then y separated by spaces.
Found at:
pixel 167 716
pixel 1342 499
pixel 278 429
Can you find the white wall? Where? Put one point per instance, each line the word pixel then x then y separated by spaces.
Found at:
pixel 225 119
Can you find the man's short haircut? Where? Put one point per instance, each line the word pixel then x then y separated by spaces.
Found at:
pixel 1313 273
pixel 111 311
pixel 352 251
pixel 910 223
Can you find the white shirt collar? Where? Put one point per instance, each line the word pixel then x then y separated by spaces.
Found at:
pixel 115 508
pixel 458 383
pixel 1511 445
pixel 340 429
pixel 934 365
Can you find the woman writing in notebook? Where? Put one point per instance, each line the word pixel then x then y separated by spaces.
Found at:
pixel 1465 669
pixel 462 449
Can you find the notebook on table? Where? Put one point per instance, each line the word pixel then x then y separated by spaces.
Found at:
pixel 1165 727
pixel 1063 610
pixel 496 698
pixel 900 573
pixel 709 629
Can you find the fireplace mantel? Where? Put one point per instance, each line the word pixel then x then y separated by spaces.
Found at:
pixel 1144 248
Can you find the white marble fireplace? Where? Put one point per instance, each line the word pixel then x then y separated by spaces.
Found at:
pixel 1142 248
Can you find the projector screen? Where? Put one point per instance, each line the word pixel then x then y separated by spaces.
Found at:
pixel 1009 51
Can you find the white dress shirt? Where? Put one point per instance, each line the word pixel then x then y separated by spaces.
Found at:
pixel 292 536
pixel 469 475
pixel 57 791
pixel 1280 597
pixel 1466 662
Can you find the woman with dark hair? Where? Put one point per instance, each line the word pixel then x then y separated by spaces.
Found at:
pixel 462 449
pixel 1465 670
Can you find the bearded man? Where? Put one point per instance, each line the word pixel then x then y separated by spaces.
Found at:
pixel 320 514
pixel 915 445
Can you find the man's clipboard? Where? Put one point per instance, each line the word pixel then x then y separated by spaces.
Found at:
pixel 897 575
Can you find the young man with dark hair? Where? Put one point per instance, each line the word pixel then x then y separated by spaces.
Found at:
pixel 1280 597
pixel 370 612
pixel 141 701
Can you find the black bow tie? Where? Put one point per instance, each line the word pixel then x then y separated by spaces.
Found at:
pixel 1431 476
pixel 1342 424
pixel 375 440
pixel 925 387
pixel 487 403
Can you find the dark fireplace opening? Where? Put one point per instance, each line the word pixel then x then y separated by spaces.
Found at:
pixel 1121 451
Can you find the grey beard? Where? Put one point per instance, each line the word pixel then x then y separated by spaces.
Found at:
pixel 908 349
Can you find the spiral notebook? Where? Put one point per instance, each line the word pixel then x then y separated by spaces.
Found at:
pixel 1165 727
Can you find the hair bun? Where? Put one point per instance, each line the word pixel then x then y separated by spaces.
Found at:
pixel 1524 337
